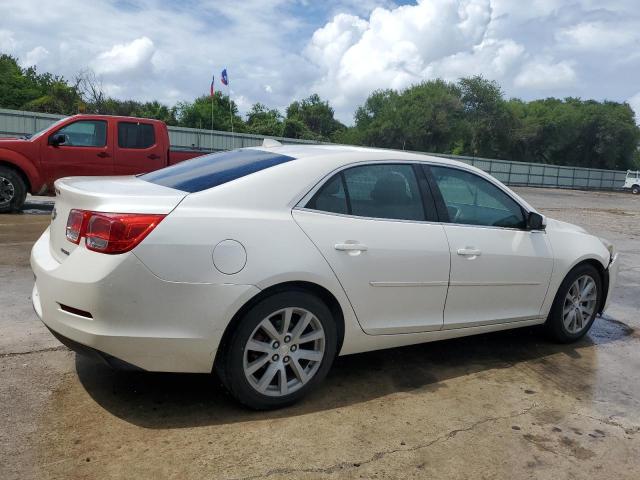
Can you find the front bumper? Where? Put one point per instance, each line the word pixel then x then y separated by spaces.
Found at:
pixel 612 269
pixel 135 317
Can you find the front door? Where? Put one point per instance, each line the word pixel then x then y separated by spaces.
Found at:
pixel 370 224
pixel 87 150
pixel 499 270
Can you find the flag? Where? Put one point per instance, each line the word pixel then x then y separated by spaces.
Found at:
pixel 223 77
pixel 212 90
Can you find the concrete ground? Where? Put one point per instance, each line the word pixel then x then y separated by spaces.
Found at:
pixel 506 405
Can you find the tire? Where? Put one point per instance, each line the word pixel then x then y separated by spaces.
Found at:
pixel 13 190
pixel 572 298
pixel 278 355
pixel 635 189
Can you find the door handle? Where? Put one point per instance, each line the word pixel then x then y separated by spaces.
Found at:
pixel 469 252
pixel 153 156
pixel 350 247
pixel 103 154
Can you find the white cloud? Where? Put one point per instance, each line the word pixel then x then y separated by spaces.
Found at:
pixel 8 43
pixel 126 58
pixel 597 36
pixel 35 56
pixel 496 59
pixel 544 74
pixel 634 101
pixel 393 47
pixel 279 50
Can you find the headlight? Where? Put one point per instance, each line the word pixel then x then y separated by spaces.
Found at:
pixel 609 246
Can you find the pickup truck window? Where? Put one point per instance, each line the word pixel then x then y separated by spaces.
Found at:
pixel 135 135
pixel 84 133
pixel 208 171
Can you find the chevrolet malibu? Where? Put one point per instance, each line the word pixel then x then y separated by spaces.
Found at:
pixel 264 264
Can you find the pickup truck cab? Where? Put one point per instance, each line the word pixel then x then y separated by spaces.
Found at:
pixel 82 145
pixel 632 181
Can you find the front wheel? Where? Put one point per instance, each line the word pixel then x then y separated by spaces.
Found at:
pixel 281 349
pixel 635 189
pixel 576 304
pixel 13 190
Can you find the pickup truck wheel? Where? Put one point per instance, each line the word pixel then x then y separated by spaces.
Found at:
pixel 635 189
pixel 13 190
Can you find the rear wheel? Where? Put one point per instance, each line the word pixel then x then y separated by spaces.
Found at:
pixel 282 348
pixel 13 190
pixel 576 304
pixel 635 189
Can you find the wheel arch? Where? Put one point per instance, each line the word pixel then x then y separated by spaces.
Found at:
pixel 19 171
pixel 303 286
pixel 604 277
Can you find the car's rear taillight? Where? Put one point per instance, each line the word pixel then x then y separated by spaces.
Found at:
pixel 110 232
pixel 75 225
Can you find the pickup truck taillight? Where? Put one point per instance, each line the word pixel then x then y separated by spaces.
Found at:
pixel 110 233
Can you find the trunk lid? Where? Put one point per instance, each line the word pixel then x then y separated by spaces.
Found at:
pixel 105 194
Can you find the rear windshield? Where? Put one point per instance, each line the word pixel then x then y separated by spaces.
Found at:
pixel 209 171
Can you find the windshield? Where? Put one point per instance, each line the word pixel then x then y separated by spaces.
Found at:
pixel 33 136
pixel 209 171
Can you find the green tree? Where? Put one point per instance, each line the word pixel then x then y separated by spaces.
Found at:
pixel 264 121
pixel 490 123
pixel 26 89
pixel 316 115
pixel 208 112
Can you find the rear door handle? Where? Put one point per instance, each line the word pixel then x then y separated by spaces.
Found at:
pixel 153 156
pixel 103 154
pixel 350 247
pixel 469 252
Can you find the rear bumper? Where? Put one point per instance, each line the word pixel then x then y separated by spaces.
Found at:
pixel 113 362
pixel 135 317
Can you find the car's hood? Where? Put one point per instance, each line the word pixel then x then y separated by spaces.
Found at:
pixel 557 225
pixel 10 142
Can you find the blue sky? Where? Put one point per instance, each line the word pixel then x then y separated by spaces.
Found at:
pixel 279 50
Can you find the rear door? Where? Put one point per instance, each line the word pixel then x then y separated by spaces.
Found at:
pixel 499 270
pixel 87 150
pixel 373 226
pixel 139 148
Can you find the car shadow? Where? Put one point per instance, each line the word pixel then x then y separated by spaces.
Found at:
pixel 163 400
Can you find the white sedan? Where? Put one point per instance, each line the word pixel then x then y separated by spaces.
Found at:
pixel 263 264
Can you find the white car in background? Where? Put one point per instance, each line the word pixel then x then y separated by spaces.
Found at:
pixel 263 264
pixel 632 181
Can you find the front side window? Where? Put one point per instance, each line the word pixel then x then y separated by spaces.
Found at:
pixel 472 200
pixel 377 191
pixel 84 133
pixel 135 135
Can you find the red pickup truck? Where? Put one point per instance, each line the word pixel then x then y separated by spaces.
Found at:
pixel 82 145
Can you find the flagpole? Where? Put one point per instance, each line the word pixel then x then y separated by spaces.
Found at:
pixel 230 109
pixel 212 122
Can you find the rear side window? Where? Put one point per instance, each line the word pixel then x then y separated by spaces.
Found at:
pixel 208 171
pixel 376 191
pixel 331 197
pixel 135 135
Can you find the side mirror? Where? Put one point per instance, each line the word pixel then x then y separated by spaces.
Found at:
pixel 56 139
pixel 535 221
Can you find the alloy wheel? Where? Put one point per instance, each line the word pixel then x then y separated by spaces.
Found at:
pixel 579 304
pixel 284 352
pixel 7 191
